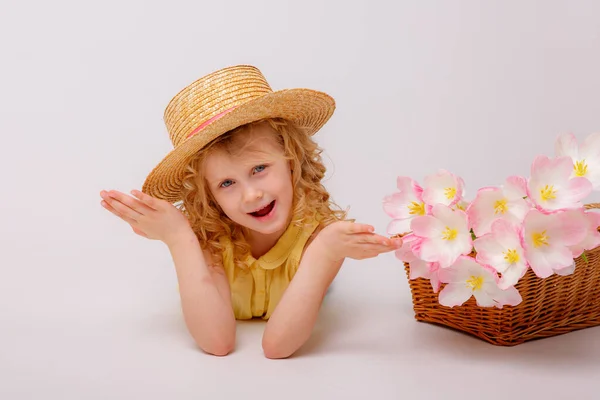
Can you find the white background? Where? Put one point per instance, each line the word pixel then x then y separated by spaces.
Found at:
pixel 88 310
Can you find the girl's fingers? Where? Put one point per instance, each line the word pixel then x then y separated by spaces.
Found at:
pixel 147 199
pixel 378 248
pixel 122 209
pixel 380 240
pixel 397 242
pixel 369 238
pixel 354 228
pixel 116 213
pixel 128 201
pixel 373 251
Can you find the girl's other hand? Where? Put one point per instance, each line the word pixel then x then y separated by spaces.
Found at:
pixel 348 239
pixel 148 216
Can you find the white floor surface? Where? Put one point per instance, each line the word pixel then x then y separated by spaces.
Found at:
pixel 69 335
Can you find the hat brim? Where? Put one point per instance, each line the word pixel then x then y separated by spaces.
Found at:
pixel 306 108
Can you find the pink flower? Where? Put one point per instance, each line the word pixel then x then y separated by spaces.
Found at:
pixel 547 240
pixel 443 188
pixel 590 220
pixel 585 157
pixel 405 253
pixel 493 203
pixel 404 205
pixel 461 205
pixel 466 278
pixel 421 269
pixel 501 249
pixel 566 271
pixel 551 186
pixel 442 236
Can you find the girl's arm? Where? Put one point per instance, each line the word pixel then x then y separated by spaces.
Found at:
pixel 293 320
pixel 203 287
pixel 205 296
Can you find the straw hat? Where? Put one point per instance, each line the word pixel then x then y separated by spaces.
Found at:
pixel 220 102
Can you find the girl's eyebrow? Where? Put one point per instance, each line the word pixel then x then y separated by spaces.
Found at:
pixel 216 181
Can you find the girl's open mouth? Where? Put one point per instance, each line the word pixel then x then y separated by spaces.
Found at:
pixel 264 211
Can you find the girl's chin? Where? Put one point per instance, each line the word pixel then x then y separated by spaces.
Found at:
pixel 268 229
pixel 276 226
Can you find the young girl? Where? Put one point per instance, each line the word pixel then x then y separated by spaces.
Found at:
pixel 255 234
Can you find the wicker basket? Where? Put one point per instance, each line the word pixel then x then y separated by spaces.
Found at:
pixel 550 307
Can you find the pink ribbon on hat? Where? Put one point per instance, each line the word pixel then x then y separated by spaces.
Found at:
pixel 205 123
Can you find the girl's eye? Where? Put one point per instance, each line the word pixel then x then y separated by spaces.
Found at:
pixel 259 168
pixel 226 183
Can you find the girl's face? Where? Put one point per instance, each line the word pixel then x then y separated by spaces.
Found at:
pixel 254 186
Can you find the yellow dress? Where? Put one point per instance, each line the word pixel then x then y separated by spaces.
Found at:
pixel 257 289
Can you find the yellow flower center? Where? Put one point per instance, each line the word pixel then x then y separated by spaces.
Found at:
pixel 548 193
pixel 580 168
pixel 540 239
pixel 500 207
pixel 416 208
pixel 511 256
pixel 450 192
pixel 475 282
pixel 449 234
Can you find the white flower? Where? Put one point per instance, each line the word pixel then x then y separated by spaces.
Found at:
pixel 466 278
pixel 585 157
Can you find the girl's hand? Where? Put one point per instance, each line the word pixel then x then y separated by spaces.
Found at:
pixel 348 239
pixel 148 216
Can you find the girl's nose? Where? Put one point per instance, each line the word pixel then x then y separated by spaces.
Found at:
pixel 252 194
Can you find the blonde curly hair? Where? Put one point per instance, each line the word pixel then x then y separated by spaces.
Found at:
pixel 310 198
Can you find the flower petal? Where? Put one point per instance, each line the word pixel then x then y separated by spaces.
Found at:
pixel 515 187
pixel 406 202
pixel 489 252
pixel 427 226
pixel 481 212
pixel 589 154
pixel 406 253
pixel 445 235
pixel 419 269
pixel 506 234
pixel 566 145
pixel 454 294
pixel 435 250
pixel 458 272
pixel 544 262
pixel 551 170
pixel 551 187
pixel 442 188
pixel 593 171
pixel 507 297
pixel 590 146
pixel 394 207
pixel 435 279
pixel 573 228
pixel 483 298
pixel 565 271
pixel 592 239
pixel 512 275
pixel 456 219
pixel 410 187
pixel 537 222
pixel 578 189
pixel 398 226
pixel 517 209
